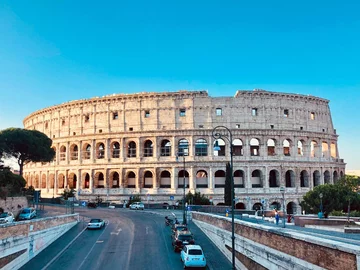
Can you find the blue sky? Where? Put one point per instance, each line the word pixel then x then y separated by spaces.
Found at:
pixel 56 51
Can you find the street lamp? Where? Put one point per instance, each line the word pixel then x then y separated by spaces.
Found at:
pixel 183 203
pixel 217 135
pixel 321 205
pixel 282 190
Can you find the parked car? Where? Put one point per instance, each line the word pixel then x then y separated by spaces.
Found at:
pixel 96 223
pixel 137 206
pixel 179 227
pixel 193 256
pixel 91 205
pixel 6 217
pixel 27 213
pixel 182 238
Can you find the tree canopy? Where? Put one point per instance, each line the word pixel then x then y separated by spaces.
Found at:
pixel 26 145
pixel 10 184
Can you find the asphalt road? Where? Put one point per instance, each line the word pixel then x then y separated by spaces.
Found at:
pixel 131 240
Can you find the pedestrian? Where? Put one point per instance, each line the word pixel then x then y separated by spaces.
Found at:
pixel 277 217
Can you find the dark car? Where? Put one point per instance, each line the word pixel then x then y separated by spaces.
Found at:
pixel 91 205
pixel 182 238
pixel 179 227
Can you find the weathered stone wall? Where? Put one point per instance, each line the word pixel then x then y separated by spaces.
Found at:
pixel 14 204
pixel 276 249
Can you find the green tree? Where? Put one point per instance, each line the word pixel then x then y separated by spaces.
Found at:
pixel 26 146
pixel 227 188
pixel 197 199
pixel 10 184
pixel 68 193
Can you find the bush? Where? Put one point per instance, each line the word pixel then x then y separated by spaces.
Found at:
pixel 337 213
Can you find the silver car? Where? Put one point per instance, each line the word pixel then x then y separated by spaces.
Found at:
pixel 96 223
pixel 6 217
pixel 27 213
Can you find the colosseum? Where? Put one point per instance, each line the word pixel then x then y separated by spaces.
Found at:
pixel 153 144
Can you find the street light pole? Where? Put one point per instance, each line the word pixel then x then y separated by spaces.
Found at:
pixel 282 190
pixel 184 214
pixel 216 135
pixel 321 205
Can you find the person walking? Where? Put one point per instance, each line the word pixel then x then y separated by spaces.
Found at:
pixel 277 217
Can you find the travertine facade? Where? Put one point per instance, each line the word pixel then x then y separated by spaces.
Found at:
pixel 124 144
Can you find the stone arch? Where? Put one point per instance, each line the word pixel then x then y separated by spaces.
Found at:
pixel 85 180
pixel 333 150
pixel 335 177
pixel 181 178
pixel 324 149
pixel 183 147
pixel 313 148
pixel 165 179
pixel 201 147
pixel 256 179
pixel 239 179
pixel 148 179
pixel 201 179
pixel 115 179
pixel 304 178
pixel 131 149
pixel 74 152
pixel 51 181
pixel 220 177
pixel 341 174
pixel 99 180
pixel 274 178
pixel 86 151
pixel 255 147
pixel 271 143
pixel 327 177
pixel 115 149
pixel 148 148
pixel 290 178
pixel 286 147
pixel 61 181
pixel 275 205
pixel 37 181
pixel 240 205
pixel 72 180
pixel 257 206
pixel 43 181
pixel 100 150
pixel 165 148
pixel 291 208
pixel 62 153
pixel 300 147
pixel 131 179
pixel 316 178
pixel 238 147
pixel 222 145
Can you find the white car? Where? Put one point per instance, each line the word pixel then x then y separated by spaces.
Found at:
pixel 6 217
pixel 137 206
pixel 193 256
pixel 96 223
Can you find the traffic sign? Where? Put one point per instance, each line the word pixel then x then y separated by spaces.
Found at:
pixel 171 198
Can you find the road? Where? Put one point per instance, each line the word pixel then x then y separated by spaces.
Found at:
pixel 131 240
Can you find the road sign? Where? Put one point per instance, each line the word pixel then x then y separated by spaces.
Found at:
pixel 171 198
pixel 83 203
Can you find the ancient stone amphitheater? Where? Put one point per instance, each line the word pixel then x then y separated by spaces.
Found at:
pixel 120 145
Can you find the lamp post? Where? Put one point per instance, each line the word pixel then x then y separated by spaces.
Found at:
pixel 282 190
pixel 183 203
pixel 217 135
pixel 321 205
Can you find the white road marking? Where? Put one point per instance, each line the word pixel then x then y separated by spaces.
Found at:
pixel 147 230
pixel 117 232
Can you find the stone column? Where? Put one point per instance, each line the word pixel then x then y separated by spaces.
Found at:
pixel 211 183
pixel 191 179
pixel 249 184
pixel 174 175
pixel 266 178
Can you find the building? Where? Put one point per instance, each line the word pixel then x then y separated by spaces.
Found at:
pixel 124 144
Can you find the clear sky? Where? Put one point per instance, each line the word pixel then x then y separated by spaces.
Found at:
pixel 56 51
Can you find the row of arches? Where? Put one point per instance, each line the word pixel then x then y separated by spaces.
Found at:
pixel 256 179
pixel 273 147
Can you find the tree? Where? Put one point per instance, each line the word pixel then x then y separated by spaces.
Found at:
pixel 26 146
pixel 10 184
pixel 227 188
pixel 197 199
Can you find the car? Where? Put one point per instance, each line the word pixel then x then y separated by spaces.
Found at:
pixel 96 223
pixel 193 256
pixel 27 213
pixel 182 238
pixel 137 206
pixel 91 205
pixel 6 217
pixel 179 227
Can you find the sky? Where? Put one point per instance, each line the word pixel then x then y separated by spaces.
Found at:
pixel 57 51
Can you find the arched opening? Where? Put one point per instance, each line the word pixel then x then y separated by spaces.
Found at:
pixel 183 147
pixel 201 147
pixel 254 147
pixel 165 179
pixel 316 178
pixel 51 181
pixel 286 147
pixel 256 179
pixel 148 148
pixel 115 150
pixel 86 181
pixel 115 179
pixel 313 149
pixel 220 178
pixel 43 181
pixel 239 179
pixel 87 151
pixel 165 148
pixel 240 205
pixel 335 177
pixel 275 206
pixel 131 180
pixel 238 148
pixel 300 148
pixel 333 150
pixel 99 180
pixel 148 179
pixel 291 208
pixel 100 151
pixel 271 147
pixel 72 181
pixel 290 179
pixel 327 177
pixel 181 179
pixel 341 174
pixel 304 179
pixel 274 178
pixel 221 144
pixel 257 206
pixel 201 179
pixel 131 149
pixel 62 153
pixel 324 149
pixel 61 181
pixel 74 152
